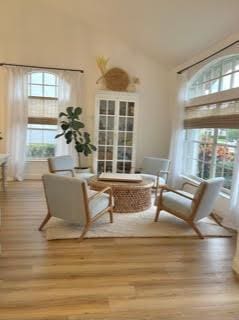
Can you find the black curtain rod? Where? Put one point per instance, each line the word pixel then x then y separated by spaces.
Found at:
pixel 211 55
pixel 37 67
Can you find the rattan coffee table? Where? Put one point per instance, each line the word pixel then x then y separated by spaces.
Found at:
pixel 128 196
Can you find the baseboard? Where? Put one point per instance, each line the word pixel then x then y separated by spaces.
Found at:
pixel 33 177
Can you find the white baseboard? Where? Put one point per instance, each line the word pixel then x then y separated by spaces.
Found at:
pixel 33 177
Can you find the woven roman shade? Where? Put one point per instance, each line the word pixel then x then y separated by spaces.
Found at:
pixel 219 115
pixel 42 110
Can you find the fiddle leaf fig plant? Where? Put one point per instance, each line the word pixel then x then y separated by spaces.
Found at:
pixel 72 130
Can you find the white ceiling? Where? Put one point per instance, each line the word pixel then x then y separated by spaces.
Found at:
pixel 172 31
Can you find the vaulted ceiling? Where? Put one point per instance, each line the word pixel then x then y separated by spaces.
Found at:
pixel 172 31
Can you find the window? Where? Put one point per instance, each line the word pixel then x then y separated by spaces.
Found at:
pixel 220 76
pixel 212 121
pixel 210 153
pixel 42 115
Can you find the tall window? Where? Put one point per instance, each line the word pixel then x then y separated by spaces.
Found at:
pixel 42 114
pixel 212 122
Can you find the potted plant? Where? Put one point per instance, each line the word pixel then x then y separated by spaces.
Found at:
pixel 72 130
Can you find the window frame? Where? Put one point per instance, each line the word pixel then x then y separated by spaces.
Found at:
pixel 196 84
pixel 44 121
pixel 213 166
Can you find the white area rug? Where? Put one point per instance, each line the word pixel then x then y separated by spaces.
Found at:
pixel 139 224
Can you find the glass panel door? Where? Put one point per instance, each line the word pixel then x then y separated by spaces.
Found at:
pixel 125 137
pixel 106 136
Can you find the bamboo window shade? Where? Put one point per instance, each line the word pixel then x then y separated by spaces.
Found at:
pixel 217 115
pixel 42 110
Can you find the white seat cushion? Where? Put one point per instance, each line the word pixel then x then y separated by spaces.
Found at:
pixel 177 203
pixel 85 175
pixel 153 179
pixel 99 204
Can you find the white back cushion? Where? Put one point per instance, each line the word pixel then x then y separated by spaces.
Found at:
pixel 154 165
pixel 61 163
pixel 65 197
pixel 209 197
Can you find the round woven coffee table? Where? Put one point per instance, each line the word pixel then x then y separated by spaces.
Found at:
pixel 128 196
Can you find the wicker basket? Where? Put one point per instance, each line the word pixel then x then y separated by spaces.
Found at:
pixel 116 79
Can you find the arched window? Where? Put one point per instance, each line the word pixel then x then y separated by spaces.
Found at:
pixel 219 75
pixel 212 121
pixel 42 114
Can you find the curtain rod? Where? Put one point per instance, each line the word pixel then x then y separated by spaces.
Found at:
pixel 211 55
pixel 38 67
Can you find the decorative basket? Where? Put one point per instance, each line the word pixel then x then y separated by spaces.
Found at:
pixel 116 79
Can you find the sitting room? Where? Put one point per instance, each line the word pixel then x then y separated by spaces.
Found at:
pixel 119 159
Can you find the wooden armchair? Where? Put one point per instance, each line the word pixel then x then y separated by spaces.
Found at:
pixel 156 170
pixel 70 199
pixel 64 165
pixel 188 207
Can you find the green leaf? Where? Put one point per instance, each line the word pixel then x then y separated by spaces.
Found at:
pixel 68 137
pixel 65 126
pixel 76 125
pixel 69 110
pixel 59 135
pixel 62 114
pixel 77 112
pixel 79 147
pixel 87 137
pixel 87 150
pixel 93 147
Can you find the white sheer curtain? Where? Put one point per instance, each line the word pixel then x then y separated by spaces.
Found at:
pixel 16 119
pixel 177 140
pixel 70 94
pixel 232 219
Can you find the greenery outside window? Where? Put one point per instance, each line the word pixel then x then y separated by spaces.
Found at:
pixel 210 153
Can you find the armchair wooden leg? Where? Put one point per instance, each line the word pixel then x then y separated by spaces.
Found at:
pixel 198 232
pixel 48 216
pixel 111 215
pixel 216 219
pixel 84 231
pixel 157 214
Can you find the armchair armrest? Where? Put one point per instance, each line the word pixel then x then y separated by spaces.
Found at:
pixel 190 184
pixel 166 188
pixel 65 170
pixel 164 172
pixel 158 176
pixel 98 194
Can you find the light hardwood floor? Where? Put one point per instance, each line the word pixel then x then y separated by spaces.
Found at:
pixel 110 279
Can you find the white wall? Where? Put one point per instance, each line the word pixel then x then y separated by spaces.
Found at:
pixel 40 38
